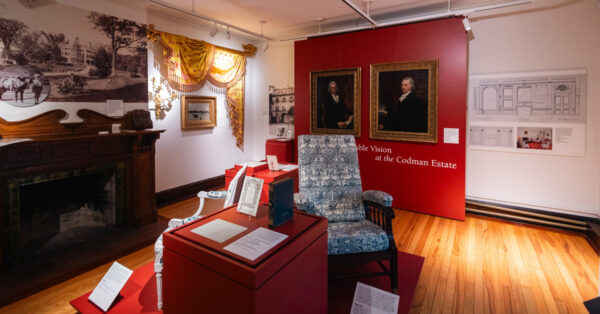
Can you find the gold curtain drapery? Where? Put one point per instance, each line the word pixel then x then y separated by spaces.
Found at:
pixel 190 63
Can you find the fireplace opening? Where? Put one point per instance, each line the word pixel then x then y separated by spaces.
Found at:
pixel 55 211
pixel 58 213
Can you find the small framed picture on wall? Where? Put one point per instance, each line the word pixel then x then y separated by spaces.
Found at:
pixel 404 101
pixel 198 112
pixel 335 101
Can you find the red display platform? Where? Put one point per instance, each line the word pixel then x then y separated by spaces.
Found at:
pixel 267 175
pixel 141 295
pixel 138 295
pixel 199 274
pixel 341 291
pixel 283 148
pixel 142 299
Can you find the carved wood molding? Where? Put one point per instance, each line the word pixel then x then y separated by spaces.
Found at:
pixel 48 125
pixel 93 122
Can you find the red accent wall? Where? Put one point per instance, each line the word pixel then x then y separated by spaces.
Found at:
pixel 426 189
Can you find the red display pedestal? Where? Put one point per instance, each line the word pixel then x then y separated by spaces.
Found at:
pixel 200 276
pixel 267 175
pixel 283 148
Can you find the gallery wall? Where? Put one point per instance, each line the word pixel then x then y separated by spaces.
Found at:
pixel 424 188
pixel 546 36
pixel 182 157
pixel 189 156
pixel 273 67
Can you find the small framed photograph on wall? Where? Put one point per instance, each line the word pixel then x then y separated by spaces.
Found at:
pixel 404 101
pixel 335 101
pixel 198 112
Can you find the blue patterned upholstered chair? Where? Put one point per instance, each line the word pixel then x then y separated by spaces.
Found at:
pixel 231 196
pixel 360 223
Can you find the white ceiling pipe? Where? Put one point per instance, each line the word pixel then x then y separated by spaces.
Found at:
pixel 415 19
pixel 209 19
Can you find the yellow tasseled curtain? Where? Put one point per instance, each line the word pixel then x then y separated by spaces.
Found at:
pixel 190 63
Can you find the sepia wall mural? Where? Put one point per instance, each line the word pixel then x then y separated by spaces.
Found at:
pixel 84 57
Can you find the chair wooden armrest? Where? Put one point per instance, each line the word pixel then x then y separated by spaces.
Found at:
pixel 382 216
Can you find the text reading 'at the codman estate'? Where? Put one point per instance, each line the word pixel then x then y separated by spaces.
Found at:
pixel 386 155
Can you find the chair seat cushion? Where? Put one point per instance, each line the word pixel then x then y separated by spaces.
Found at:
pixel 347 237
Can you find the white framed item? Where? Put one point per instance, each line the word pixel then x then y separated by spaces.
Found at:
pixel 282 130
pixel 250 197
pixel 272 162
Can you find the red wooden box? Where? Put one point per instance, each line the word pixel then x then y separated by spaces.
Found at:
pixel 253 166
pixel 269 176
pixel 283 148
pixel 250 170
pixel 200 277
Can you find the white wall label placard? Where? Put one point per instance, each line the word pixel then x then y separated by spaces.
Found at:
pixel 114 107
pixel 369 299
pixel 451 135
pixel 109 287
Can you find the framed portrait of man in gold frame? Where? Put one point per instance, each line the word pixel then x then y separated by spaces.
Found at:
pixel 404 101
pixel 335 101
pixel 198 112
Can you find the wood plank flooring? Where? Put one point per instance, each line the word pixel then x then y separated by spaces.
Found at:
pixel 488 266
pixel 477 266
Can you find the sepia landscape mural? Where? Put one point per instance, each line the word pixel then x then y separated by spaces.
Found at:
pixel 84 57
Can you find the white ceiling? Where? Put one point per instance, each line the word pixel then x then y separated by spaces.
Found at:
pixel 287 19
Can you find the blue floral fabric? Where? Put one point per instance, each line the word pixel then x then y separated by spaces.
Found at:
pixel 303 203
pixel 378 197
pixel 347 237
pixel 330 177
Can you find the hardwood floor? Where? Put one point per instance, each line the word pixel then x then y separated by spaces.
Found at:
pixel 488 266
pixel 476 266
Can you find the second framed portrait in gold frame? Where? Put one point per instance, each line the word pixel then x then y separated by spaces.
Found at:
pixel 404 101
pixel 198 112
pixel 335 101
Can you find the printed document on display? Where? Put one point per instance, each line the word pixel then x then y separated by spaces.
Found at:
pixel 255 243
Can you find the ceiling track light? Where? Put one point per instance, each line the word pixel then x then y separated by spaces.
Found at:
pixel 320 21
pixel 262 23
pixel 466 23
pixel 192 13
pixel 360 12
pixel 214 31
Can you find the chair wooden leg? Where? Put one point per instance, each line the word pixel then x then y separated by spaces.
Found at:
pixel 159 290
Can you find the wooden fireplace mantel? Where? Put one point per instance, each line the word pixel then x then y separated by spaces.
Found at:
pixel 48 125
pixel 55 146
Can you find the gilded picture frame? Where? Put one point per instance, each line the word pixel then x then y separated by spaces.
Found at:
pixel 335 101
pixel 198 112
pixel 404 101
